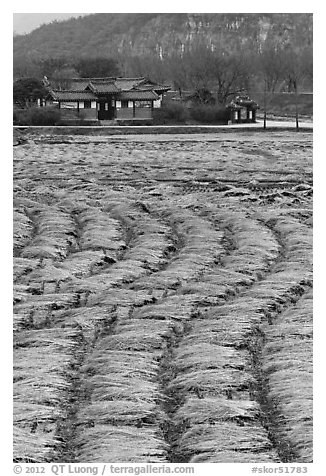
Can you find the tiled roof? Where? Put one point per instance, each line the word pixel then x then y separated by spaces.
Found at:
pixel 138 95
pixel 101 80
pixel 75 84
pixel 110 85
pixel 79 83
pixel 103 87
pixel 153 87
pixel 243 101
pixel 73 95
pixel 132 89
pixel 125 84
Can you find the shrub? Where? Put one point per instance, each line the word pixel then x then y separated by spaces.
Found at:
pixel 203 96
pixel 37 116
pixel 210 114
pixel 77 122
pixel 172 112
pixel 134 122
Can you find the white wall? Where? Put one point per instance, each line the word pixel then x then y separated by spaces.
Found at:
pixel 130 104
pixel 158 102
pixel 69 105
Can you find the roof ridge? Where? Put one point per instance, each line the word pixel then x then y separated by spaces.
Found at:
pixel 69 90
pixel 130 79
pixel 100 81
pixel 90 79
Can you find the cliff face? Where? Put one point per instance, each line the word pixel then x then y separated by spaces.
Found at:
pixel 162 34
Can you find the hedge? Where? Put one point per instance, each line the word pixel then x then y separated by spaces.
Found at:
pixel 37 116
pixel 210 114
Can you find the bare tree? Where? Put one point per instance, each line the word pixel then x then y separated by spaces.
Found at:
pixel 178 72
pixel 231 74
pixel 271 63
pixel 298 67
pixel 200 68
pixel 61 78
pixel 144 65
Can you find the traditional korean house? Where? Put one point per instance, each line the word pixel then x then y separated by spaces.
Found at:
pixel 242 110
pixel 107 99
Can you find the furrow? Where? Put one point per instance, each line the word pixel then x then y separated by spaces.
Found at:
pixel 287 380
pixel 149 244
pixel 23 230
pixel 250 251
pixel 55 234
pixel 201 247
pixel 124 372
pixel 216 366
pixel 98 322
pixel 119 420
pixel 42 291
pixel 41 384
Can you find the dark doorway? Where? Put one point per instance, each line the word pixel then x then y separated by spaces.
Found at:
pixel 106 111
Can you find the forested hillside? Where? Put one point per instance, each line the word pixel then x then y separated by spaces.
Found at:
pixel 159 34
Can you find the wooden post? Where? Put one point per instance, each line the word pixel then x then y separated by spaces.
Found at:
pixel 114 105
pixel 296 106
pixel 265 115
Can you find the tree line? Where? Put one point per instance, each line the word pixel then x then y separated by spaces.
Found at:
pixel 199 69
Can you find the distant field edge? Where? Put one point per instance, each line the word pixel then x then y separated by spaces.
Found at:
pixel 126 130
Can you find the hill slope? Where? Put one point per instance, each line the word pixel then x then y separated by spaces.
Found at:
pixel 112 34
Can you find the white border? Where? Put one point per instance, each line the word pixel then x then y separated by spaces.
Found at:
pixel 319 181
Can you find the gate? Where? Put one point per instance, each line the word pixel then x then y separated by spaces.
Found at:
pixel 105 112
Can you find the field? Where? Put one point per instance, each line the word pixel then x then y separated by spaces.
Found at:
pixel 283 105
pixel 163 298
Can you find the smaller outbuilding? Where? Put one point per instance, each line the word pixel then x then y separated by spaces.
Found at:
pixel 242 110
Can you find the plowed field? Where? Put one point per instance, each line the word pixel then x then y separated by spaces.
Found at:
pixel 163 298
